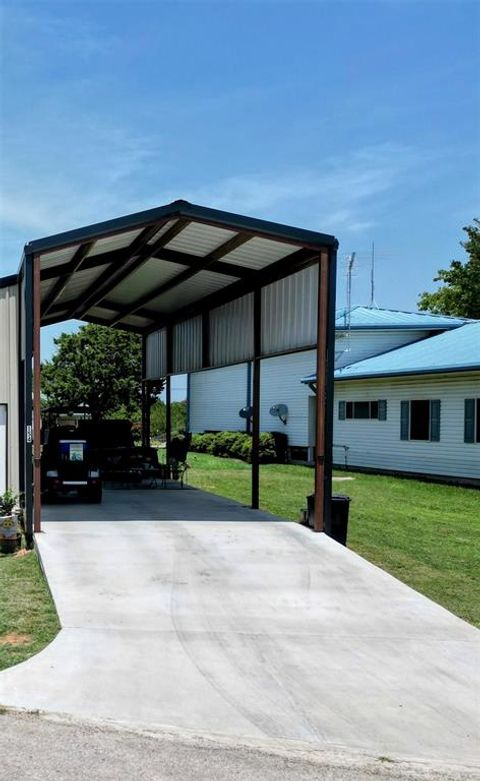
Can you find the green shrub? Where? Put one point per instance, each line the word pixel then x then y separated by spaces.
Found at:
pixel 235 444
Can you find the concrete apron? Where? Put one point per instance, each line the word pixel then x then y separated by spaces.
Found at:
pixel 248 629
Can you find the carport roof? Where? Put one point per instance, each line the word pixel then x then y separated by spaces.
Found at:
pixel 161 266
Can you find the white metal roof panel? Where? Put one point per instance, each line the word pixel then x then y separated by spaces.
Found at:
pixel 137 322
pixel 79 282
pixel 46 287
pixel 198 239
pixel 50 259
pixel 161 231
pixel 118 241
pixel 153 273
pixel 101 313
pixel 199 286
pixel 258 253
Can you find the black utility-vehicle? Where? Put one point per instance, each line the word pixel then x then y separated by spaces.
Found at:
pixel 69 465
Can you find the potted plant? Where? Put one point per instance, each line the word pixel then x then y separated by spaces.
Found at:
pixel 10 531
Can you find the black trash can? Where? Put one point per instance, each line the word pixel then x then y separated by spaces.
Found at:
pixel 337 526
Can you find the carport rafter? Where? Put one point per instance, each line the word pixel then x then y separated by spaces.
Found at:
pixel 138 253
pixel 272 273
pixel 202 264
pixel 74 265
pixel 119 256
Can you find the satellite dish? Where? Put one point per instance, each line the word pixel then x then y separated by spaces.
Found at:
pixel 246 412
pixel 280 411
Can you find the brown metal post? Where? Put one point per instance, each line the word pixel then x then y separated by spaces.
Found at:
pixel 168 415
pixel 321 398
pixel 145 398
pixel 37 503
pixel 168 392
pixel 257 339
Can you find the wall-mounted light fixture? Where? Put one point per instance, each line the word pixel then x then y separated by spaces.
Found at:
pixel 280 411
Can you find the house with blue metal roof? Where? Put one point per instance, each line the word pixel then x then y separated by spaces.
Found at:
pixel 368 342
pixel 412 410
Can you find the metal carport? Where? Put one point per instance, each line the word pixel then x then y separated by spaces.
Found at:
pixel 205 288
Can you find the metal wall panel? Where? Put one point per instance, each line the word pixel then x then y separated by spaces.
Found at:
pixel 289 312
pixel 156 358
pixel 231 332
pixel 187 346
pixel 9 370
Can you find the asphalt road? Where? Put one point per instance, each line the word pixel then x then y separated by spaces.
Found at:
pixel 37 748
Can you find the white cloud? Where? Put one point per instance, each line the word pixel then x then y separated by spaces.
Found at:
pixel 112 176
pixel 342 193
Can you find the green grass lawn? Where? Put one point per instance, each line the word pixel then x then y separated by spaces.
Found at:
pixel 28 619
pixel 427 535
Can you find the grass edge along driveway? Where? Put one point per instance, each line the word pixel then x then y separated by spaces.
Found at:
pixel 28 619
pixel 425 534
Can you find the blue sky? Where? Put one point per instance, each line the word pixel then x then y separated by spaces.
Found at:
pixel 356 118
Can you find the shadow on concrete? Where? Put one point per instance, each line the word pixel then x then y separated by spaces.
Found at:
pixel 154 504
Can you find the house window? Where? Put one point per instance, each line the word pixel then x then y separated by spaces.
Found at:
pixel 362 410
pixel 420 420
pixel 472 420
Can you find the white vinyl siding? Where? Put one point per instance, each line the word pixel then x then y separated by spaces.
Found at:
pixel 215 398
pixel 356 345
pixel 218 395
pixel 377 444
pixel 280 384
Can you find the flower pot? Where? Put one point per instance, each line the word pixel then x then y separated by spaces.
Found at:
pixel 10 534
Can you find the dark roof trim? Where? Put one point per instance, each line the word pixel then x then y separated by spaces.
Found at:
pixel 272 230
pixel 12 279
pixel 409 373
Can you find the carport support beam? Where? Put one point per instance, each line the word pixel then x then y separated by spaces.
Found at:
pixel 145 397
pixel 168 392
pixel 324 397
pixel 257 342
pixel 37 502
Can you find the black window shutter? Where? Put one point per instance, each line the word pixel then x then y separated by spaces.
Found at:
pixel 435 420
pixel 469 429
pixel 404 419
pixel 341 409
pixel 382 409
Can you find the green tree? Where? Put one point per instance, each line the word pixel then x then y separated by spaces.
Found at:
pixel 460 293
pixel 97 366
pixel 158 417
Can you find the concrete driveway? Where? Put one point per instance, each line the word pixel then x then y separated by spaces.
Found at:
pixel 245 626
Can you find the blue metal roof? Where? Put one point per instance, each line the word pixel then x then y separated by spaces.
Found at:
pixel 364 317
pixel 457 350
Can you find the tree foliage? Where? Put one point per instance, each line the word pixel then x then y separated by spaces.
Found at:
pixel 158 417
pixel 97 366
pixel 460 293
